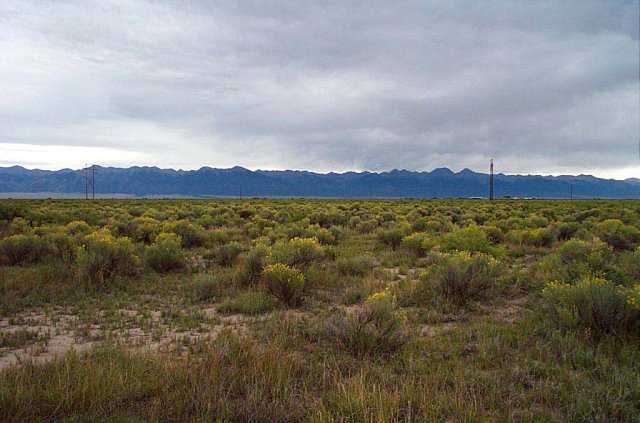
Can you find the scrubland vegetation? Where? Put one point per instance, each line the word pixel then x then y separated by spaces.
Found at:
pixel 313 310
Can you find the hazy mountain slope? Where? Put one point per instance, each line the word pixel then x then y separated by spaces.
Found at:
pixel 236 181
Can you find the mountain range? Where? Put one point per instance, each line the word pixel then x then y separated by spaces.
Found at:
pixel 238 181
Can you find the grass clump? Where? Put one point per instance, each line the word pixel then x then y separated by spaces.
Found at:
pixel 250 303
pixel 358 265
pixel 18 338
pixel 209 286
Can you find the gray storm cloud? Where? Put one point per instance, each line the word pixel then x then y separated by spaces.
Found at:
pixel 542 87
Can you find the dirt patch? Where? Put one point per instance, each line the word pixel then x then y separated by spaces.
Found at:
pixel 59 331
pixel 437 329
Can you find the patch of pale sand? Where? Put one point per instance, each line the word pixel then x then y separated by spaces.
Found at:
pixel 509 312
pixel 56 346
pixel 128 312
pixel 58 336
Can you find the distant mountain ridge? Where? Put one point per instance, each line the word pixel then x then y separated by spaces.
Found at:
pixel 236 181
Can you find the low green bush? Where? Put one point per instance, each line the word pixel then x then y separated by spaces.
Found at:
pixel 23 249
pixel 165 254
pixel 538 237
pixel 104 257
pixel 596 305
pixel 471 239
pixel 494 234
pixel 226 254
pixel 190 234
pixel 323 235
pixel 63 248
pixel 418 243
pixel 461 277
pixel 391 238
pixel 617 234
pixel 567 230
pixel 377 329
pixel 253 266
pixel 299 252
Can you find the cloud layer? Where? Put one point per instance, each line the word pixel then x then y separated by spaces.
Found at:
pixel 543 87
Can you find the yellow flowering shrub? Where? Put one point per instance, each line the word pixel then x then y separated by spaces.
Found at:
pixel 285 283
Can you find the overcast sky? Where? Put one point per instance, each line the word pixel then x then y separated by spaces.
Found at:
pixel 542 87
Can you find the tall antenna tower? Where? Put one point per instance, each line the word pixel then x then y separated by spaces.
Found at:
pixel 491 181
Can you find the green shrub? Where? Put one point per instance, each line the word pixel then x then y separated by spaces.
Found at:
pixel 539 237
pixel 494 234
pixel 23 249
pixel 629 263
pixel 377 329
pixel 299 252
pixel 461 277
pixel 103 258
pixel 471 239
pixel 253 266
pixel 358 265
pixel 250 303
pixel 620 236
pixel 367 226
pixel 285 283
pixel 391 238
pixel 596 305
pixel 566 230
pixel 77 227
pixel 190 234
pixel 165 254
pixel 594 253
pixel 217 237
pixel 63 248
pixel 226 255
pixel 323 235
pixel 418 243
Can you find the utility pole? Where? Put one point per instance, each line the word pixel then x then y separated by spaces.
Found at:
pixel 491 181
pixel 85 172
pixel 88 182
pixel 571 191
pixel 93 182
pixel 241 191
